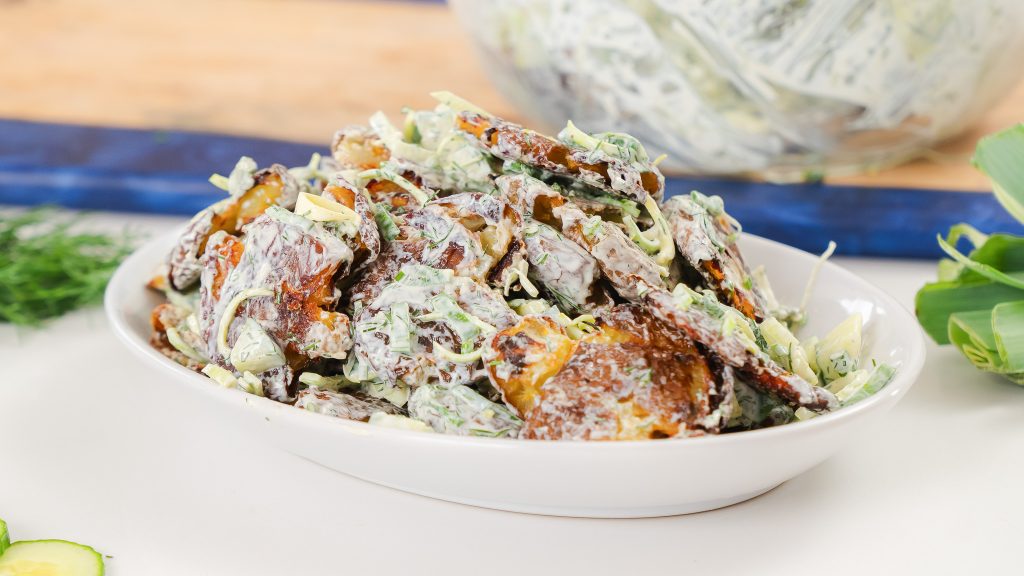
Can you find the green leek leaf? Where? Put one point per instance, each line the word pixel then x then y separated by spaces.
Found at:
pixel 978 302
pixel 937 301
pixel 984 270
pixel 993 340
pixel 949 270
pixel 1001 157
pixel 962 230
pixel 972 333
pixel 1004 252
pixel 1008 330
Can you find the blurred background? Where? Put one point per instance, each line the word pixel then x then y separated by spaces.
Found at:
pixel 851 120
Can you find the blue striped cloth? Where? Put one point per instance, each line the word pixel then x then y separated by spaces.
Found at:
pixel 130 170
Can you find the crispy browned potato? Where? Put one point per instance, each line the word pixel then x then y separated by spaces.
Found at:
pixel 635 379
pixel 225 251
pixel 759 370
pixel 168 315
pixel 274 186
pixel 446 243
pixel 705 244
pixel 367 246
pixel 373 279
pixel 562 267
pixel 294 268
pixel 619 258
pixel 497 227
pixel 531 197
pixel 494 221
pixel 393 195
pixel 521 358
pixel 510 141
pixel 441 310
pixel 351 406
pixel 604 243
pixel 358 147
pixel 469 233
pixel 566 273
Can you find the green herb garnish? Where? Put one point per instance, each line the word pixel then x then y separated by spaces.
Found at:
pixel 46 270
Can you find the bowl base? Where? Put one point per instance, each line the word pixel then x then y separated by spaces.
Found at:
pixel 592 512
pixel 587 512
pixel 563 511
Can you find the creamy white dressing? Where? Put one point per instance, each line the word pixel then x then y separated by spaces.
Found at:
pixel 340 405
pixel 462 411
pixel 565 270
pixel 280 248
pixel 398 421
pixel 444 157
pixel 444 309
pixel 425 314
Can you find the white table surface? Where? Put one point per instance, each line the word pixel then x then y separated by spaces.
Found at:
pixel 95 448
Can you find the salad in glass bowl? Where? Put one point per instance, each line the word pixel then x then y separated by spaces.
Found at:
pixel 788 89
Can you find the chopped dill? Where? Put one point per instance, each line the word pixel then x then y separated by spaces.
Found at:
pixel 47 270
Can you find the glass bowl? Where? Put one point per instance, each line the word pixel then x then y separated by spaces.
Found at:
pixel 786 89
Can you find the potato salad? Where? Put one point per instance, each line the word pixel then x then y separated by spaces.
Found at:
pixel 455 273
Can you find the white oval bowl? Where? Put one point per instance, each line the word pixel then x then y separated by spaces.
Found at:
pixel 588 479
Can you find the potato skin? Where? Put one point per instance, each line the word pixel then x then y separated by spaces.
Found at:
pixel 342 405
pixel 634 380
pixel 756 368
pixel 513 142
pixel 273 186
pixel 703 245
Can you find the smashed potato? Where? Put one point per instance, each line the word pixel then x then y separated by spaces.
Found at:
pixel 464 275
pixel 510 141
pixel 521 358
pixel 273 187
pixel 634 379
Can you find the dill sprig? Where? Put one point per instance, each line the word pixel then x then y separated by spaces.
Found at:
pixel 47 270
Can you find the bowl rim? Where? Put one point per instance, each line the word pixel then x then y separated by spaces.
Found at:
pixel 124 280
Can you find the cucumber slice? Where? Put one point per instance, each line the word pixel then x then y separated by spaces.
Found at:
pixel 50 558
pixel 5 538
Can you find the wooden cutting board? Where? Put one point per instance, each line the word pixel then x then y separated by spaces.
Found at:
pixel 293 70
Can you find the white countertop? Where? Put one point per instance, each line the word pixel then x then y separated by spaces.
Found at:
pixel 95 448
